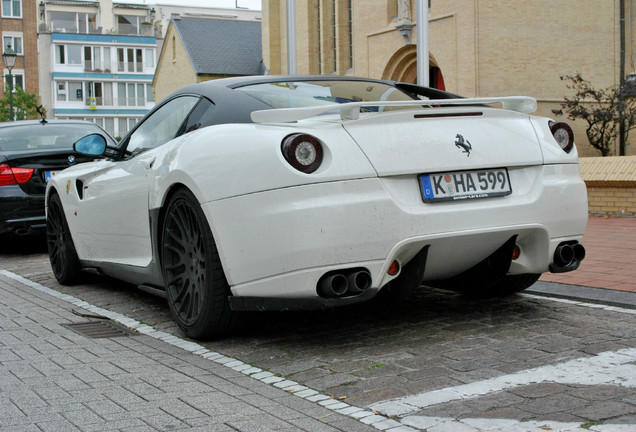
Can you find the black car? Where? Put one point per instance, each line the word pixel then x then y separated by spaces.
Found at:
pixel 31 152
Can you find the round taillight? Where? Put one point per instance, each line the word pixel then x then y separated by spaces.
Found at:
pixel 303 152
pixel 563 135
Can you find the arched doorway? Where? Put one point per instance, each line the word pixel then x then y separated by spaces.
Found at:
pixel 403 67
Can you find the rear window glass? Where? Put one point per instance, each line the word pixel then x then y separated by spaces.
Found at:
pixel 38 137
pixel 298 94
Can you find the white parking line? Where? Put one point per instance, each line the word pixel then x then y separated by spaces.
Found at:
pixel 609 368
pixel 441 424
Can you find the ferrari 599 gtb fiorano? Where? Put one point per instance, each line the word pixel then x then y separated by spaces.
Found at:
pixel 270 193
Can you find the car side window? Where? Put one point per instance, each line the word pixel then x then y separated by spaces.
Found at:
pixel 200 117
pixel 161 126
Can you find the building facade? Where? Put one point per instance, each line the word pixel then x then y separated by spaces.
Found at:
pixel 97 61
pixel 18 24
pixel 198 49
pixel 477 48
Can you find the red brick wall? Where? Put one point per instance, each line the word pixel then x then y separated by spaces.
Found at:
pixel 28 25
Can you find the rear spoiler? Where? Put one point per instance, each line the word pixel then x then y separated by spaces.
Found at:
pixel 351 110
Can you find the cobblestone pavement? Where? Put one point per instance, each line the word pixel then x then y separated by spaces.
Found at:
pixel 437 362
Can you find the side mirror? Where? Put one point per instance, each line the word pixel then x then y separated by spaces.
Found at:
pixel 91 145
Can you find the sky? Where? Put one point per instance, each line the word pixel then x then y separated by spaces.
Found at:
pixel 248 4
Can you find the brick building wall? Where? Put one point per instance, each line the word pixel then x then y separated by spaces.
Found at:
pixel 27 62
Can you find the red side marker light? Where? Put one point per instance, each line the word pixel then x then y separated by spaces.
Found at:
pixel 516 252
pixel 394 268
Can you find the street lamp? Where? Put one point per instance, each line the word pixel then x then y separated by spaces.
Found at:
pixel 9 57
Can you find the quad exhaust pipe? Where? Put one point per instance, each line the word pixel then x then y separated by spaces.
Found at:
pixel 567 257
pixel 342 283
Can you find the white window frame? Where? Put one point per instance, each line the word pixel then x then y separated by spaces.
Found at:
pixel 13 36
pixel 135 97
pixel 16 73
pixel 10 14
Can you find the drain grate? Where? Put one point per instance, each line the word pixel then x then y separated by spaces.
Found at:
pixel 99 329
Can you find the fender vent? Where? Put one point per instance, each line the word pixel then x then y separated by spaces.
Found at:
pixel 99 329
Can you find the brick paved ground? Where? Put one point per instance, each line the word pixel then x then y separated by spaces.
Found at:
pixel 611 250
pixel 372 353
pixel 54 379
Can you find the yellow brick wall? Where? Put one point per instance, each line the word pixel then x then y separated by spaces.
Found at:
pixel 612 201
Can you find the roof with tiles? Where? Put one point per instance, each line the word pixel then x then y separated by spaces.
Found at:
pixel 221 47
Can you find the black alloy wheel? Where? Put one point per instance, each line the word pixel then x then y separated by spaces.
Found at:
pixel 64 261
pixel 196 287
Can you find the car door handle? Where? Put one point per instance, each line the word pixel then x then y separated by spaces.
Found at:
pixel 150 164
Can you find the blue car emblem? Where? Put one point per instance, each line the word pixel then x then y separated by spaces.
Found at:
pixel 71 160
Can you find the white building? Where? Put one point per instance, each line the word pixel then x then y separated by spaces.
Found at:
pixel 97 58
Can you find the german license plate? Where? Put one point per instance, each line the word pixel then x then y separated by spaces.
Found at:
pixel 463 185
pixel 48 175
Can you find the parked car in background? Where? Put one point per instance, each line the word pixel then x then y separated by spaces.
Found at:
pixel 31 153
pixel 275 193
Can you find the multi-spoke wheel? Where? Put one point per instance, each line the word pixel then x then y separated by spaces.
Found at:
pixel 62 254
pixel 195 283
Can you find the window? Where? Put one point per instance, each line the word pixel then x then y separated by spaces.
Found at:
pixel 128 24
pixel 18 80
pixel 121 94
pixel 102 92
pixel 139 62
pixel 75 92
pixel 130 60
pixel 14 41
pixel 201 116
pixel 150 58
pixel 122 127
pixel 86 23
pixel 150 96
pixel 60 91
pixel 92 58
pixel 68 54
pixel 12 8
pixel 162 126
pixel 121 62
pixel 109 125
pixel 131 94
pixel 74 53
pixel 60 57
pixel 63 21
pixel 106 59
pixel 72 22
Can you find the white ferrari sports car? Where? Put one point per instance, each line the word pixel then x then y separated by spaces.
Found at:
pixel 274 193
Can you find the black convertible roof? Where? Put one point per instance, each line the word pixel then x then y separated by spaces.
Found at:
pixel 236 106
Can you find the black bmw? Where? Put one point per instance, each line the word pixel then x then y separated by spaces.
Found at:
pixel 31 152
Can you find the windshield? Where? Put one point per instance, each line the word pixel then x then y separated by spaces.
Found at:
pixel 311 93
pixel 49 136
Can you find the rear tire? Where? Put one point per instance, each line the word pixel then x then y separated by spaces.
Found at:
pixel 64 261
pixel 196 287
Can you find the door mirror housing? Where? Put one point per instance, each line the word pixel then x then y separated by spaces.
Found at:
pixel 91 145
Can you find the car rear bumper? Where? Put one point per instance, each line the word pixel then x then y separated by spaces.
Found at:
pixel 280 243
pixel 21 214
